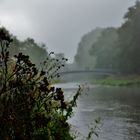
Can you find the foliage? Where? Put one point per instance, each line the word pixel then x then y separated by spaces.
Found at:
pixel 34 50
pixel 30 108
pixel 28 47
pixel 83 58
pixel 129 41
pixel 115 48
pixel 104 49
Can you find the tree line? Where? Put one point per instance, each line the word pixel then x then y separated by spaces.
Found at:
pixel 113 48
pixel 36 51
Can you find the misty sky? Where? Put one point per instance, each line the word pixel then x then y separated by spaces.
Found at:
pixel 60 23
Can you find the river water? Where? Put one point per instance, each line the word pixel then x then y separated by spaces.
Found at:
pixel 117 107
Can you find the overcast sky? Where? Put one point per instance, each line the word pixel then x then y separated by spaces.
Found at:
pixel 60 23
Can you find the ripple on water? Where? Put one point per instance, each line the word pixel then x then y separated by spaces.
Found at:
pixel 118 108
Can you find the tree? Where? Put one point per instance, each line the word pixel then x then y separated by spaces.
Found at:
pixel 29 47
pixel 105 49
pixel 129 41
pixel 34 50
pixel 83 58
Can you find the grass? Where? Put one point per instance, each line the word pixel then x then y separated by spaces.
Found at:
pixel 119 81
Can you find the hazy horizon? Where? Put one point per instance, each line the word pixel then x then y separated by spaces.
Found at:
pixel 60 24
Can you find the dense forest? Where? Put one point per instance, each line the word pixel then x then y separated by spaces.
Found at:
pixel 113 48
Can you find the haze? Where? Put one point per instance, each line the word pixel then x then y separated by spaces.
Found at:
pixel 60 23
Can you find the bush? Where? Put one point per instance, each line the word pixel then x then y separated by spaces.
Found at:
pixel 30 108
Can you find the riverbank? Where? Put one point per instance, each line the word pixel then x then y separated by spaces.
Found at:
pixel 119 81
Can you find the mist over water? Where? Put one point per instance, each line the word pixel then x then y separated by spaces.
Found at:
pixel 101 40
pixel 117 107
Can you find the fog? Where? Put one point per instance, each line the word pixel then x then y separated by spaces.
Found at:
pixel 60 24
pixel 101 40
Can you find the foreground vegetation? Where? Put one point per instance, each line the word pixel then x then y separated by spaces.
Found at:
pixel 30 108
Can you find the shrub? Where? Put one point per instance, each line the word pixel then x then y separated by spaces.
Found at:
pixel 30 108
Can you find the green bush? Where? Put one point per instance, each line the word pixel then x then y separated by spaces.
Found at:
pixel 30 108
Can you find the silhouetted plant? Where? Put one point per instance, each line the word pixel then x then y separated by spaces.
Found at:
pixel 30 108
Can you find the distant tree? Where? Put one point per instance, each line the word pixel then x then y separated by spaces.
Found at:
pixel 129 42
pixel 36 52
pixel 105 49
pixel 113 48
pixel 83 58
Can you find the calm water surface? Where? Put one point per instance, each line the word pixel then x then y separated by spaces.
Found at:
pixel 118 108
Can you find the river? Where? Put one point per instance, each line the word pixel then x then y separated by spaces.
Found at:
pixel 117 107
